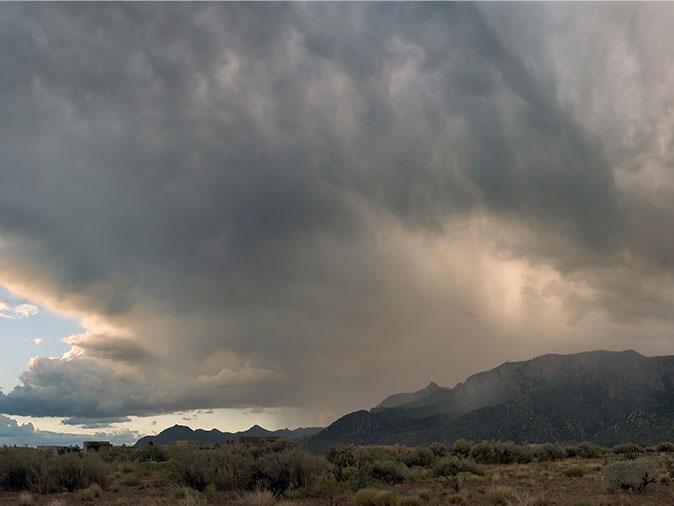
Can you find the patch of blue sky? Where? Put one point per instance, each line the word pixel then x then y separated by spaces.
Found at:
pixel 24 335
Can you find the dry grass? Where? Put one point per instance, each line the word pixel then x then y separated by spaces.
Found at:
pixel 25 499
pixel 257 498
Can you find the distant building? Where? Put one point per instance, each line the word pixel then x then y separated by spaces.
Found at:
pixel 96 446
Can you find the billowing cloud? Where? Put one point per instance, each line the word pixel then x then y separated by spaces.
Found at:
pixel 314 205
pixel 17 311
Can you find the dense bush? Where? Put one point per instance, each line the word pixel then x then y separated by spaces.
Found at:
pixel 151 453
pixel 286 469
pixel 246 468
pixel 422 457
pixel 501 453
pixel 375 497
pixel 584 451
pixel 28 469
pixel 629 450
pixel 461 448
pixel 633 475
pixel 74 471
pixel 20 469
pixel 448 470
pixel 387 471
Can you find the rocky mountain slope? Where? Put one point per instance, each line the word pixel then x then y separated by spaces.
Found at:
pixel 601 396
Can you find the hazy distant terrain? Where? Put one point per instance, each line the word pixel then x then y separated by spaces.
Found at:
pixel 214 436
pixel 601 396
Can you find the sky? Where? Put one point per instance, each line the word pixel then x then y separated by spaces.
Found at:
pixel 228 214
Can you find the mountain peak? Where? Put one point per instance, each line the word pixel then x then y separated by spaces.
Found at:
pixel 588 396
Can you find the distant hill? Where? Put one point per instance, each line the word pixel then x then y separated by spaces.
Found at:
pixel 602 396
pixel 213 436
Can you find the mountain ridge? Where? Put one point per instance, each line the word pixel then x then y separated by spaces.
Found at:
pixel 177 432
pixel 603 396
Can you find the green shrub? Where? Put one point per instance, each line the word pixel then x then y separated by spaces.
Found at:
pixel 439 450
pixel 90 493
pixel 629 451
pixel 548 452
pixel 575 472
pixel 131 480
pixel 387 471
pixel 151 453
pixel 375 497
pixel 449 468
pixel 421 457
pixel 501 495
pixel 588 451
pixel 76 471
pixel 20 469
pixel 633 475
pixel 488 452
pixel 461 448
pixel 343 456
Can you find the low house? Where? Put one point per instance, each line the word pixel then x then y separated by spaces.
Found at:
pixel 96 446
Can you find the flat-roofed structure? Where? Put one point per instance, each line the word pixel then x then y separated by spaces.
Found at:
pixel 96 446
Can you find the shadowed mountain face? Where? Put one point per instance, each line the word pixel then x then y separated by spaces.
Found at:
pixel 601 396
pixel 213 436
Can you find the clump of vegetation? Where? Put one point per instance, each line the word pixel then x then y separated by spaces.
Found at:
pixel 387 471
pixel 585 451
pixel 27 469
pixel 257 498
pixel 75 471
pixel 20 469
pixel 151 453
pixel 90 493
pixel 421 457
pixel 630 451
pixel 449 469
pixel 633 475
pixel 461 448
pixel 665 447
pixel 410 500
pixel 501 495
pixel 575 471
pixel 375 497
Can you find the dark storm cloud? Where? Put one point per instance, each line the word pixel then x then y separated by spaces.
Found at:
pixel 242 193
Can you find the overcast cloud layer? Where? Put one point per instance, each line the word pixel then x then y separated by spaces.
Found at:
pixel 316 205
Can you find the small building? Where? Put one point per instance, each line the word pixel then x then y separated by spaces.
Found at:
pixel 96 446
